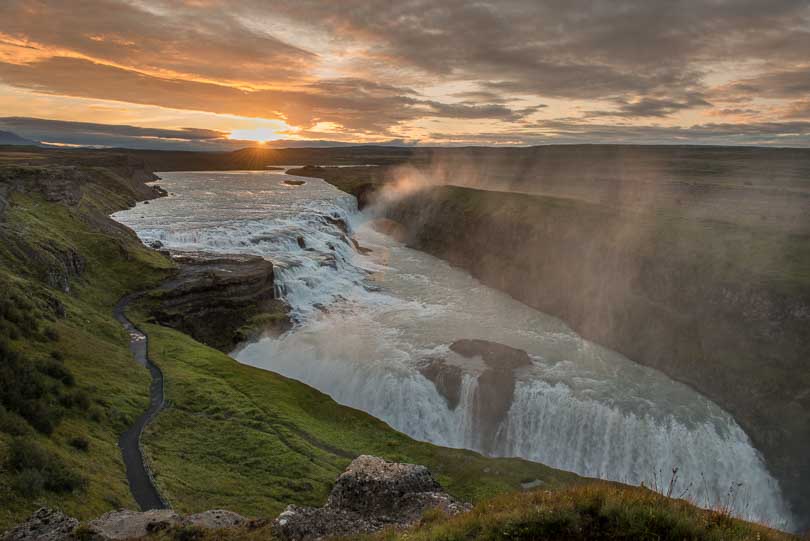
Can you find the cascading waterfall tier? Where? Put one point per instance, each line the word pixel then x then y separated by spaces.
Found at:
pixel 368 324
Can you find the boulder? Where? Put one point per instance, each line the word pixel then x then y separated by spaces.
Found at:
pixel 371 494
pixel 44 525
pixel 215 519
pixel 127 524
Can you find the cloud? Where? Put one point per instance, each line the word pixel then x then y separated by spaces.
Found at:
pixel 788 133
pixel 93 134
pixel 355 104
pixel 172 37
pixel 652 107
pixel 378 69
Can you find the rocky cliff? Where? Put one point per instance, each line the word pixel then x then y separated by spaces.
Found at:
pixel 722 308
pixel 220 300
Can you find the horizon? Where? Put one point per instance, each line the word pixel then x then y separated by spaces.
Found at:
pixel 221 75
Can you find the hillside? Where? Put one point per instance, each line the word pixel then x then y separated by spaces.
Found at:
pixel 70 386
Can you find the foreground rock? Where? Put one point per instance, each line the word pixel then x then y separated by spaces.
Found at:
pixel 51 525
pixel 132 524
pixel 370 495
pixel 44 525
pixel 495 366
pixel 219 299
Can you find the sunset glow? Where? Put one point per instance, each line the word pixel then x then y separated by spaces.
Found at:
pixel 494 73
pixel 260 135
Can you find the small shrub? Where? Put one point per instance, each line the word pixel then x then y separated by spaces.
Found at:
pixel 30 461
pixel 187 533
pixel 95 414
pixel 75 400
pixel 57 355
pixel 51 334
pixel 29 483
pixel 79 443
pixel 13 424
pixel 84 533
pixel 57 371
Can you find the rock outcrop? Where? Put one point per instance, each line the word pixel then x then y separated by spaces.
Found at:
pixel 495 377
pixel 370 495
pixel 44 525
pixel 51 525
pixel 127 524
pixel 219 299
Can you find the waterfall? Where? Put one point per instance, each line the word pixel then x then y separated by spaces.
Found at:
pixel 366 323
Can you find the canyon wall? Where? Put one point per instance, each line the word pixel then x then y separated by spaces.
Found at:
pixel 722 308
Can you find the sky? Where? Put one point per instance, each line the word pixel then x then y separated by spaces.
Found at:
pixel 218 74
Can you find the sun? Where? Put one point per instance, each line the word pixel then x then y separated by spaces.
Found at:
pixel 260 135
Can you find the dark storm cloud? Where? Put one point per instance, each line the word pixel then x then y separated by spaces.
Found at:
pixel 582 49
pixel 652 107
pixel 794 133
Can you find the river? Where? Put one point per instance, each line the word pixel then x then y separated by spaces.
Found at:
pixel 365 324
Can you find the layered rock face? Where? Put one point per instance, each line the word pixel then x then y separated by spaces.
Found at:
pixel 219 299
pixel 370 495
pixel 721 308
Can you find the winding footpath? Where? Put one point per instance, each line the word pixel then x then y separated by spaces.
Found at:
pixel 140 479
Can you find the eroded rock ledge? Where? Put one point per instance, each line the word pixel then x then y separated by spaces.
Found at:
pixel 219 300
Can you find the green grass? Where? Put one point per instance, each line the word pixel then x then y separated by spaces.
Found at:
pixel 83 340
pixel 597 511
pixel 253 441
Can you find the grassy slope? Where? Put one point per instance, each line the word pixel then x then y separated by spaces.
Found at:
pixel 94 347
pixel 293 440
pixel 584 512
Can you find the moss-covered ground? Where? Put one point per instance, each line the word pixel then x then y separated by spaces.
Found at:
pixel 74 386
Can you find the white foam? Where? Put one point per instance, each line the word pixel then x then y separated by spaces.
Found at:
pixel 364 324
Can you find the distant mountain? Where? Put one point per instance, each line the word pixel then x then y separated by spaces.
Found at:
pixel 8 138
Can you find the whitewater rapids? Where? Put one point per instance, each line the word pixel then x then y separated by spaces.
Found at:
pixel 366 323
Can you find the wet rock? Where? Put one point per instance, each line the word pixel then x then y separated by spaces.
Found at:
pixel 302 243
pixel 496 356
pixel 127 524
pixel 360 249
pixel 496 383
pixel 371 494
pixel 156 245
pixel 294 182
pixel 338 222
pixel 446 378
pixel 44 525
